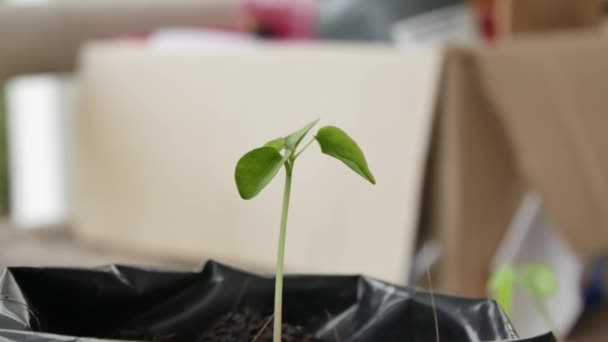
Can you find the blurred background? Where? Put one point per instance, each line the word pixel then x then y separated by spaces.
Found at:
pixel 483 121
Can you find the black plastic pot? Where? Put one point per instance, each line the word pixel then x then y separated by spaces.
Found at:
pixel 123 302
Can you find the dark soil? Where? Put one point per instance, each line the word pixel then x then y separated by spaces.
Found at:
pixel 245 326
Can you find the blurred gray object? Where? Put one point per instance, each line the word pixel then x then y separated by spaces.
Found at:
pixel 455 24
pixel 370 20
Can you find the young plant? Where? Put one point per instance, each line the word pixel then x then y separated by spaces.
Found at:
pixel 259 166
pixel 537 280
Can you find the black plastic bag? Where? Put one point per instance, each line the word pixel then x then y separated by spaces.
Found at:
pixel 130 303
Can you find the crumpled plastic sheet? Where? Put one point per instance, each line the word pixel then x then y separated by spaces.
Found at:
pixel 137 304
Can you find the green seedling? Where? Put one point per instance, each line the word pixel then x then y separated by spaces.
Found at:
pixel 259 166
pixel 538 281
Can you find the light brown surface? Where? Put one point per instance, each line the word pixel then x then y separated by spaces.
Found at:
pixel 525 115
pixel 47 38
pixel 57 247
pixel 521 16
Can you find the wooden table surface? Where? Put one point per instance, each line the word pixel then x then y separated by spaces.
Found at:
pixel 57 247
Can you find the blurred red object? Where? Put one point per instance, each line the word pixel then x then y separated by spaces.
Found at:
pixel 484 10
pixel 283 19
pixel 487 23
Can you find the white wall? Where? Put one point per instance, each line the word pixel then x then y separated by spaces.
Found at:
pixel 38 111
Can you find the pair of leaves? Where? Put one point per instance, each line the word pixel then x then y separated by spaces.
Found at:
pixel 539 281
pixel 258 167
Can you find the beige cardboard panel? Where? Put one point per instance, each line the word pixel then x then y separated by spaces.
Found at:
pixel 476 181
pixel 159 133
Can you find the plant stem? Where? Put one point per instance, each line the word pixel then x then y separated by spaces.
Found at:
pixel 428 275
pixel 278 287
pixel 303 148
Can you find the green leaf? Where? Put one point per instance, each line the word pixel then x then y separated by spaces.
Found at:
pixel 336 143
pixel 256 169
pixel 293 140
pixel 539 280
pixel 502 285
pixel 278 144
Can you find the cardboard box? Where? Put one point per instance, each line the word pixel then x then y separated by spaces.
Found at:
pixel 160 130
pixel 530 114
